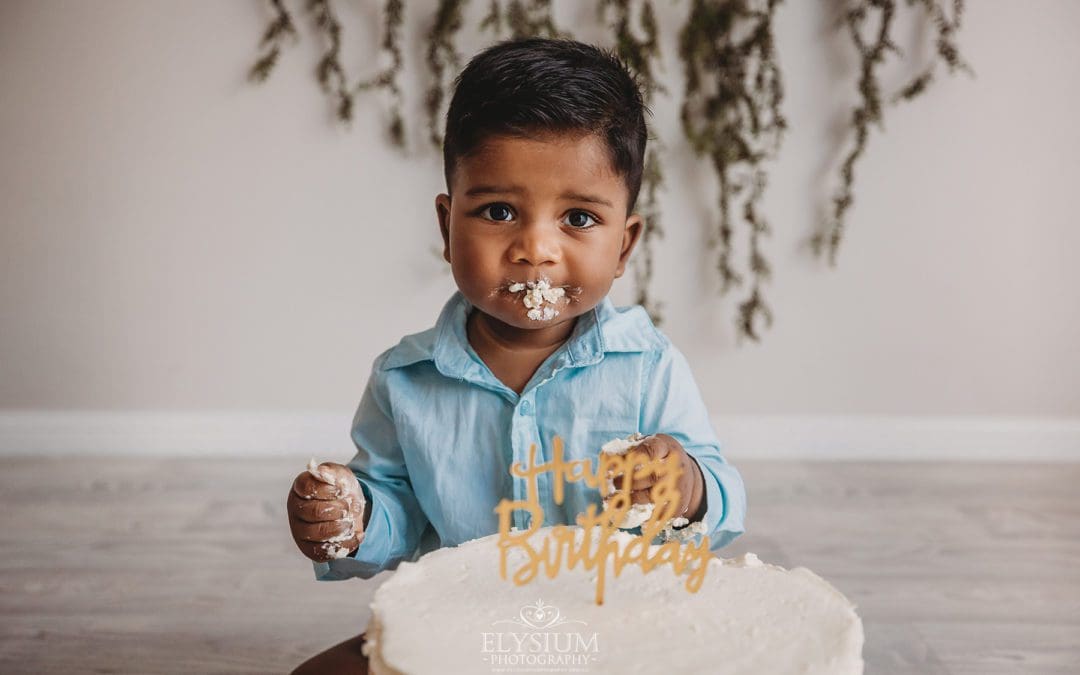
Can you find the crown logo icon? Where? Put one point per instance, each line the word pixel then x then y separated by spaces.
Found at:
pixel 539 616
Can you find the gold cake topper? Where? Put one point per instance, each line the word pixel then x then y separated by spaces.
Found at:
pixel 632 465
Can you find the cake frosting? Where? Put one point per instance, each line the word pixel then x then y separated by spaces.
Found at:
pixel 347 489
pixel 452 612
pixel 638 514
pixel 539 297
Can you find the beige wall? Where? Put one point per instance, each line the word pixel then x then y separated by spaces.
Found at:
pixel 174 239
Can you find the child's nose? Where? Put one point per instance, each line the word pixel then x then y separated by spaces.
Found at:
pixel 536 243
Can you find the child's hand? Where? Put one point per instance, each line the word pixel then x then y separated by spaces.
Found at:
pixel 326 511
pixel 690 483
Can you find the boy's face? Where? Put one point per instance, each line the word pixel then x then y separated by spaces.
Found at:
pixel 524 211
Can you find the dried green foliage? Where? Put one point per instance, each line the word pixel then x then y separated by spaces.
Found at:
pixel 329 71
pixel 642 55
pixel 279 28
pixel 388 78
pixel 860 18
pixel 442 56
pixel 523 19
pixel 649 210
pixel 731 114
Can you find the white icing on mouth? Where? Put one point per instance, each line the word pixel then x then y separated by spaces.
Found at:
pixel 539 297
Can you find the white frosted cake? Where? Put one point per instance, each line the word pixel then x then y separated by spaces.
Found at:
pixel 452 612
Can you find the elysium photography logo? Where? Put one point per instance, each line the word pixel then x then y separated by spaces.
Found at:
pixel 543 642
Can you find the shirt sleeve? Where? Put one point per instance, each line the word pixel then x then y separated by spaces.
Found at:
pixel 397 521
pixel 672 405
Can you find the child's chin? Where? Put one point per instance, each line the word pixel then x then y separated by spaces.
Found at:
pixel 518 318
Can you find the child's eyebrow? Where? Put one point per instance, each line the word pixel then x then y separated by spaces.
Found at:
pixel 514 189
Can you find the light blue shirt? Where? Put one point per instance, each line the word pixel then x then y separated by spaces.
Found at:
pixel 436 432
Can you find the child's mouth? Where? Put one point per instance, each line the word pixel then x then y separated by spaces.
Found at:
pixel 540 297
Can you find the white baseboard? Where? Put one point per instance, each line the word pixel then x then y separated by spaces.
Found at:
pixel 744 437
pixel 179 434
pixel 890 438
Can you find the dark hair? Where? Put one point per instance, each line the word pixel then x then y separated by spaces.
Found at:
pixel 535 86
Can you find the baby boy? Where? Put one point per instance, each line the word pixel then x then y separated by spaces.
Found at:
pixel 543 158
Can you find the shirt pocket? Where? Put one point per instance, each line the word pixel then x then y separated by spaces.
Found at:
pixel 589 434
pixel 582 437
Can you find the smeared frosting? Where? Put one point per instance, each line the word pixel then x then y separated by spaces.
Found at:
pixel 348 489
pixel 639 514
pixel 539 297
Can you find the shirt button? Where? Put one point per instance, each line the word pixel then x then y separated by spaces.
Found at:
pixel 526 407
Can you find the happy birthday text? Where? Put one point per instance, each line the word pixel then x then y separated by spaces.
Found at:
pixel 549 554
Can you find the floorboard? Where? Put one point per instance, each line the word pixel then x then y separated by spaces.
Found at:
pixel 184 565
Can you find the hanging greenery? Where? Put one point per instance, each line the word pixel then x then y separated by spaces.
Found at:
pixel 530 19
pixel 731 113
pixel 642 56
pixel 329 72
pixel 442 56
pixel 280 27
pixel 859 16
pixel 388 79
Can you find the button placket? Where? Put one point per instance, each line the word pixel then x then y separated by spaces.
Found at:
pixel 518 483
pixel 524 435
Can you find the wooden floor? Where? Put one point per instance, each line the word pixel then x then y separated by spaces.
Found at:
pixel 155 566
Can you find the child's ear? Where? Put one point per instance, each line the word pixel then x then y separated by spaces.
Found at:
pixel 442 211
pixel 631 234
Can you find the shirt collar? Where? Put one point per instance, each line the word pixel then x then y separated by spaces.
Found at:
pixel 602 329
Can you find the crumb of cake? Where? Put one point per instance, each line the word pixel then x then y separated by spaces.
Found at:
pixel 539 297
pixel 638 514
pixel 621 446
pixel 669 533
pixel 335 551
pixel 750 560
pixel 347 489
pixel 315 470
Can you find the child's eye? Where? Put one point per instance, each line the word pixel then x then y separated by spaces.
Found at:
pixel 500 212
pixel 580 220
